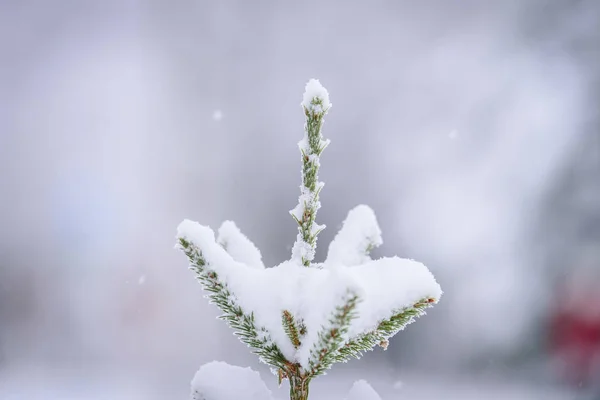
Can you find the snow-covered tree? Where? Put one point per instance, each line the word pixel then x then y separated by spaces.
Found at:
pixel 300 317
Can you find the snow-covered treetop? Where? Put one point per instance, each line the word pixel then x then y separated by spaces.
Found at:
pixel 316 105
pixel 316 97
pixel 383 286
pixel 300 317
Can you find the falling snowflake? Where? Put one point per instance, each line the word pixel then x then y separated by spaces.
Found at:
pixel 398 385
pixel 217 115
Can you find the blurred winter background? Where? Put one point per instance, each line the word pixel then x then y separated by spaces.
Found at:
pixel 471 127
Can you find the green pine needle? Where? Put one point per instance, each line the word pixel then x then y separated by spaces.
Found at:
pixel 257 338
pixel 385 330
pixel 331 338
pixel 289 326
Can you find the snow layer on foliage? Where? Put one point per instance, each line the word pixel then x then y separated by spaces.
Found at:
pixel 361 390
pixel 289 286
pixel 220 381
pixel 306 201
pixel 359 234
pixel 315 89
pixel 389 284
pixel 302 250
pixel 239 246
pixel 306 197
pixel 312 294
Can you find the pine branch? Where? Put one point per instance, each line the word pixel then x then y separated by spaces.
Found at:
pixel 289 326
pixel 331 338
pixel 311 148
pixel 385 330
pixel 257 338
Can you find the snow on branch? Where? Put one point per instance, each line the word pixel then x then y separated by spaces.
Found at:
pixel 333 336
pixel 316 104
pixel 316 98
pixel 239 247
pixel 385 329
pixel 359 235
pixel 243 323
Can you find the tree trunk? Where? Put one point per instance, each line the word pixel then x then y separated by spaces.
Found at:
pixel 298 387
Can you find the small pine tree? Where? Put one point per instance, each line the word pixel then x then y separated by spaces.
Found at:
pixel 301 317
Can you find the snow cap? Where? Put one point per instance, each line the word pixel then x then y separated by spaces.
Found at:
pixel 316 97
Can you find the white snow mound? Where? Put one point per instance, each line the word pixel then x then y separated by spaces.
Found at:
pixel 361 390
pixel 218 380
pixel 359 234
pixel 239 246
